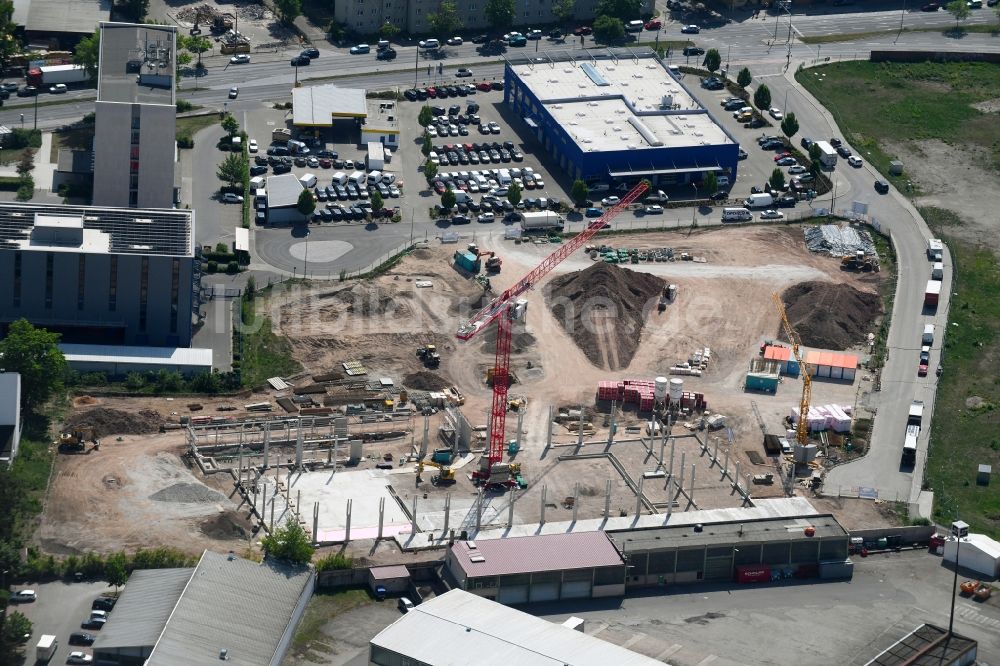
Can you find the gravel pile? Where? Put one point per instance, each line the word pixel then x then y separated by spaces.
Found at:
pixel 187 492
pixel 838 241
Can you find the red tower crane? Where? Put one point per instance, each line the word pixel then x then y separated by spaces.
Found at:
pixel 504 310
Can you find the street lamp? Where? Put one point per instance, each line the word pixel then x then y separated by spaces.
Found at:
pixel 902 15
pixel 959 529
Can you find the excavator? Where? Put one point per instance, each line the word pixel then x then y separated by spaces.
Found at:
pixel 493 262
pixel 75 439
pixel 445 477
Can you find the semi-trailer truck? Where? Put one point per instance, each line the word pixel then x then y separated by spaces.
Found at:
pixel 53 74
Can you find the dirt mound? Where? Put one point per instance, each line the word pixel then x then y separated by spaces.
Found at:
pixel 603 308
pixel 830 316
pixel 228 525
pixel 423 380
pixel 370 299
pixel 187 492
pixel 107 421
pixel 422 253
pixel 84 400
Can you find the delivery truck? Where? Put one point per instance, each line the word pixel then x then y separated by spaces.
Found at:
pixel 827 154
pixel 916 413
pixel 541 220
pixel 928 336
pixel 50 75
pixel 935 249
pixel 46 647
pixel 762 200
pixel 910 444
pixel 932 293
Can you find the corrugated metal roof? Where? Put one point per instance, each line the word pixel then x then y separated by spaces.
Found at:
pixel 143 609
pixel 318 105
pixel 237 605
pixel 283 190
pixel 394 571
pixel 547 552
pixel 446 630
pixel 832 359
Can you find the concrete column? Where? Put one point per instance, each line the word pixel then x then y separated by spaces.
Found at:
pixel 541 520
pixel 663 445
pixel 576 499
pixel 520 430
pixel 607 499
pixel 694 468
pixel 298 504
pixel 715 453
pixel 548 436
pixel 425 442
pixel 479 511
pixel 638 498
pixel 267 443
pixel 347 530
pixel 413 517
pixel 579 432
pixel 271 528
pixel 673 443
pixel 510 509
pixel 736 478
pixel 447 512
pixel 680 483
pixel 725 467
pixel 315 522
pixel 381 517
pixel 298 447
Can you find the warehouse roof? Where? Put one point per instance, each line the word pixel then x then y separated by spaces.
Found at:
pixel 72 16
pixel 137 64
pixel 927 645
pixel 447 629
pixel 832 359
pixel 549 552
pixel 318 105
pixel 96 230
pixel 174 356
pixel 757 531
pixel 232 604
pixel 626 103
pixel 143 608
pixel 283 190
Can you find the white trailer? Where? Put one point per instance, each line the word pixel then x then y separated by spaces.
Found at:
pixel 46 647
pixel 541 220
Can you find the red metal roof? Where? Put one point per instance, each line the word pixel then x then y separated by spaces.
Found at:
pixel 528 554
pixel 832 359
pixel 773 353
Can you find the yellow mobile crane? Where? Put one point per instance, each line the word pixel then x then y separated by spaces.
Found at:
pixel 802 427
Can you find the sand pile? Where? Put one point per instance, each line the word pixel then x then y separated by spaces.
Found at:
pixel 830 316
pixel 187 492
pixel 603 308
pixel 107 421
pixel 424 381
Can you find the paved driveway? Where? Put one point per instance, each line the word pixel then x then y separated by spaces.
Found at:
pixel 60 609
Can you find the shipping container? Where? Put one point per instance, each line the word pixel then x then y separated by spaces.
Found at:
pixel 753 573
pixel 836 569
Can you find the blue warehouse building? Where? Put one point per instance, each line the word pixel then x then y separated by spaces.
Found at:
pixel 618 117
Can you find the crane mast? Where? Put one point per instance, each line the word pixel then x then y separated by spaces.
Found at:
pixel 505 310
pixel 801 428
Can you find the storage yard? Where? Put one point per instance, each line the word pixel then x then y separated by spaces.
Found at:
pixel 594 340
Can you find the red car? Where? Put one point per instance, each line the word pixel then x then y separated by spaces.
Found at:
pixel 432 92
pixel 325 163
pixel 922 370
pixel 654 24
pixel 484 86
pixel 781 155
pixel 583 30
pixel 439 187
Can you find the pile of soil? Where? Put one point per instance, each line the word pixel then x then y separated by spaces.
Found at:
pixel 187 492
pixel 618 296
pixel 830 316
pixel 107 421
pixel 225 526
pixel 423 380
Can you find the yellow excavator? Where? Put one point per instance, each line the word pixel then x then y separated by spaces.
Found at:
pixel 76 438
pixel 445 477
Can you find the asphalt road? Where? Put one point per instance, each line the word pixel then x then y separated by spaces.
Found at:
pixel 60 609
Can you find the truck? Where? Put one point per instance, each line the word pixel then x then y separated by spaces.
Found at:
pixel 916 413
pixel 541 220
pixel 910 444
pixel 762 200
pixel 935 249
pixel 937 271
pixel 827 154
pixel 932 293
pixel 46 647
pixel 376 156
pixel 53 74
pixel 928 336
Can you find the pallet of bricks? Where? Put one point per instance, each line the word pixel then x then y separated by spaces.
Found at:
pixel 630 391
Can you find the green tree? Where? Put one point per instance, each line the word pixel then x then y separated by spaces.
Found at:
pixel 232 169
pixel 430 170
pixel 306 203
pixel 288 10
pixel 500 14
pixel 514 194
pixel 579 192
pixel 608 29
pixel 777 179
pixel 713 60
pixel 378 203
pixel 762 97
pixel 33 353
pixel 744 78
pixel 134 10
pixel 448 198
pixel 230 124
pixel 815 166
pixel 623 10
pixel 814 152
pixel 115 570
pixel 27 162
pixel 426 146
pixel 388 30
pixel 790 125
pixel 710 184
pixel 88 52
pixel 134 381
pixel 426 116
pixel 959 9
pixel 445 20
pixel 9 43
pixel 289 543
pixel 15 627
pixel 564 10
pixel 195 44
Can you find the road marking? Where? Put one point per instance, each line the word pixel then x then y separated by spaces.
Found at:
pixel 970 614
pixel 604 625
pixel 632 641
pixel 669 651
pixel 707 660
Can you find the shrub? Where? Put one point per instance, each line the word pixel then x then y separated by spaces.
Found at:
pixel 233 268
pixel 212 267
pixel 185 142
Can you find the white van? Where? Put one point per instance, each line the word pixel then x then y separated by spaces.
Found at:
pixel 462 197
pixel 308 180
pixel 359 178
pixel 339 178
pixel 256 182
pixel 374 177
pixel 504 178
pixel 634 26
pixel 736 215
pixel 722 181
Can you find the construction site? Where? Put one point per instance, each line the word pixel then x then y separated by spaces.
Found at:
pixel 706 370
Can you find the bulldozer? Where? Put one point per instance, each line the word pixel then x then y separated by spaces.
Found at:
pixel 859 261
pixel 429 355
pixel 76 439
pixel 444 477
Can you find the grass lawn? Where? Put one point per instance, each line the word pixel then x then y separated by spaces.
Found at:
pixel 323 607
pixel 265 354
pixel 875 102
pixel 191 125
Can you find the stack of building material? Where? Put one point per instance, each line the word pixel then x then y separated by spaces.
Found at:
pixel 839 241
pixel 701 358
pixel 611 391
pixel 641 392
pixel 826 417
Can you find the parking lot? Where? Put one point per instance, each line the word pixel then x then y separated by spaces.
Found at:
pixel 60 609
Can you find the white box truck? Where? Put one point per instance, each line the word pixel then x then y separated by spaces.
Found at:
pixel 46 647
pixel 376 156
pixel 827 154
pixel 928 336
pixel 763 200
pixel 937 271
pixel 541 220
pixel 935 249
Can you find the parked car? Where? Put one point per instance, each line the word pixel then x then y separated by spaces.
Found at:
pixel 360 49
pixel 79 658
pixel 772 215
pixel 786 161
pixel 240 59
pixel 796 169
pixel 582 30
pixel 930 7
pixel 252 146
pixel 81 638
pixel 23 596
pixel 58 89
pixel 654 209
pixel 690 30
pixel 854 161
pixel 229 197
pixel 610 201
pixel 593 212
pixel 881 187
pixel 455 41
pixel 93 623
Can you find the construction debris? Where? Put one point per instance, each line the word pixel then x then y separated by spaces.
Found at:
pixel 838 241
pixel 106 421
